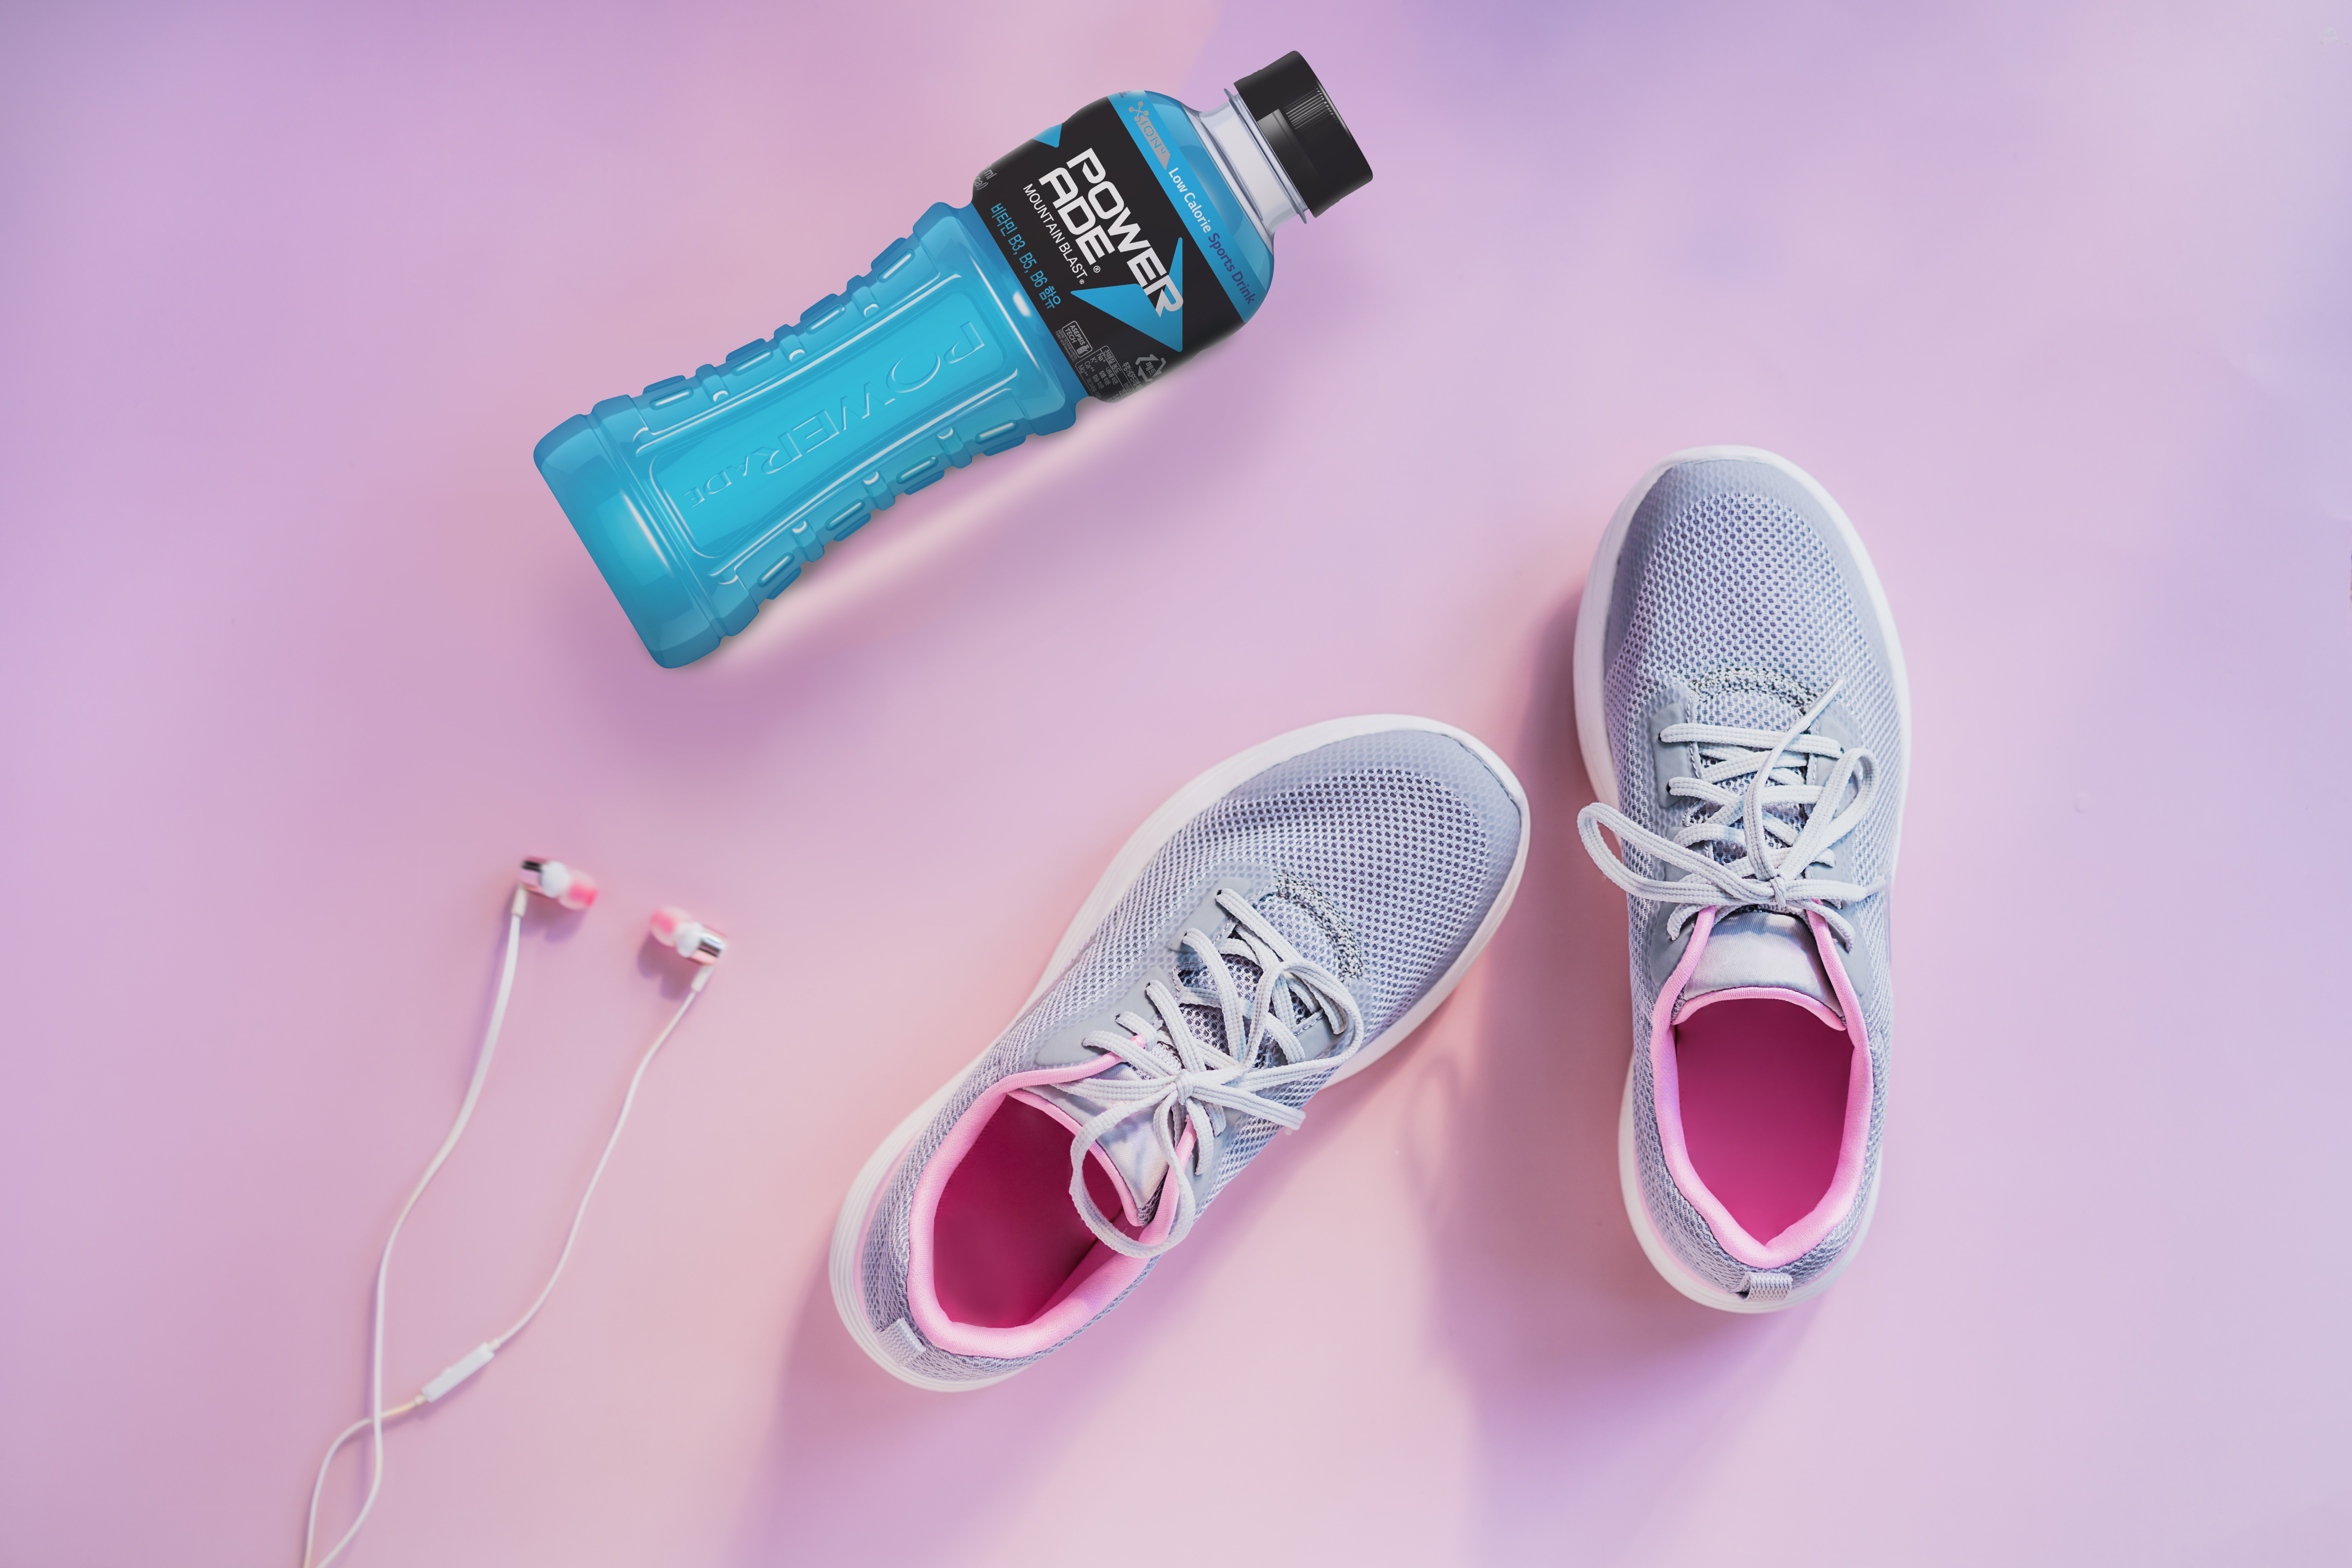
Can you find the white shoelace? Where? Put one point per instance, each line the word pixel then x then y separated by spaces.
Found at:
pixel 1778 868
pixel 1182 1081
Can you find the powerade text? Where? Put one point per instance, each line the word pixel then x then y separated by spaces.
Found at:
pixel 1098 219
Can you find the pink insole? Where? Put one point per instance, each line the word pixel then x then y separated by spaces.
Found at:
pixel 1006 1239
pixel 1763 1103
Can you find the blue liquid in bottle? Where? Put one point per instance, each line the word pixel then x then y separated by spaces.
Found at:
pixel 1093 258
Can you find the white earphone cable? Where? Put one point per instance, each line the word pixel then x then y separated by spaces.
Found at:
pixel 628 1102
pixel 377 1414
pixel 480 1357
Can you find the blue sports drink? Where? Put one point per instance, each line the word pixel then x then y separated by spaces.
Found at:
pixel 1092 259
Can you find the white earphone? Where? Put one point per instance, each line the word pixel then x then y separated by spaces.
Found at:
pixel 673 927
pixel 573 889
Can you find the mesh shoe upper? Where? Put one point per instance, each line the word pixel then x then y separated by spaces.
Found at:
pixel 1735 601
pixel 1378 857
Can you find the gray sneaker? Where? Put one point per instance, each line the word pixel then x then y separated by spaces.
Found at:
pixel 1743 710
pixel 1286 919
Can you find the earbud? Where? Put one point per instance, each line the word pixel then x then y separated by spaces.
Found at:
pixel 567 885
pixel 674 928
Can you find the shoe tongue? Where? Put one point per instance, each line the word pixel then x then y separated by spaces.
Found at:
pixel 1315 930
pixel 1747 700
pixel 1315 925
pixel 1129 1146
pixel 1760 950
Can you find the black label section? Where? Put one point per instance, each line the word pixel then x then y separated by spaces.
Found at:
pixel 1091 231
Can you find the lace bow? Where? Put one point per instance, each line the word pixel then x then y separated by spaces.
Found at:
pixel 1780 858
pixel 1186 1085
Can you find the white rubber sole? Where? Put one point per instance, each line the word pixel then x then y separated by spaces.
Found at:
pixel 1126 866
pixel 1593 739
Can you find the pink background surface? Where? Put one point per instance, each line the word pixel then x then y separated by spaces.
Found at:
pixel 297 656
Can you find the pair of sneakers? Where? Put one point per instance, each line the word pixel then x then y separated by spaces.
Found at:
pixel 1294 913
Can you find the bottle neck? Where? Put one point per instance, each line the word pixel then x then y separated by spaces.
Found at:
pixel 1249 164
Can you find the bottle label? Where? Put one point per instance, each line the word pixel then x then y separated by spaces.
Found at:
pixel 1087 214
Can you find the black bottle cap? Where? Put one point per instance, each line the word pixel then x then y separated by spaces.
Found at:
pixel 1305 131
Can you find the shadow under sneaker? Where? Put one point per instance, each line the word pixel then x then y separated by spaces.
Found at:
pixel 1287 917
pixel 1743 711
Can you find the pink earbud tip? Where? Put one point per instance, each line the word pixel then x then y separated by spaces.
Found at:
pixel 581 894
pixel 665 922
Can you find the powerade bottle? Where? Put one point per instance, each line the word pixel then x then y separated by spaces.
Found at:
pixel 1092 259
